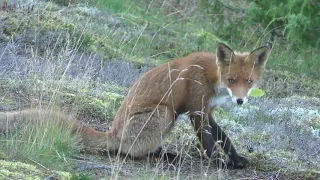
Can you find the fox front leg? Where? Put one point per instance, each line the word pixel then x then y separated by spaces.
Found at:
pixel 204 133
pixel 218 135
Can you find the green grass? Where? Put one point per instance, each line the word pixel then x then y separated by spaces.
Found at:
pixel 300 62
pixel 115 6
pixel 43 142
pixel 160 36
pixel 153 36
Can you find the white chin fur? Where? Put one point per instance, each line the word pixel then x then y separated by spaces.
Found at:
pixel 245 100
pixel 234 99
pixel 218 100
pixel 222 95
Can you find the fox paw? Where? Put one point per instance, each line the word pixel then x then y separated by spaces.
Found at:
pixel 170 156
pixel 238 163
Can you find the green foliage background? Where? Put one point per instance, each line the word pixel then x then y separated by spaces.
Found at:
pixel 296 20
pixel 166 32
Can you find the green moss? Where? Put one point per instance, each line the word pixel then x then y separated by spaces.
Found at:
pixel 103 107
pixel 265 117
pixel 82 176
pixel 312 174
pixel 10 26
pixel 314 122
pixel 262 162
pixel 7 101
pixel 19 170
pixel 17 166
pixel 62 174
pixel 301 174
pixel 272 160
pixel 258 137
pixel 106 47
pixel 220 113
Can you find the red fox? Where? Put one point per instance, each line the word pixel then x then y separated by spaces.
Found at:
pixel 185 85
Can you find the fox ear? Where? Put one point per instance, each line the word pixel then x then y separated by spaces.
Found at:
pixel 260 55
pixel 224 53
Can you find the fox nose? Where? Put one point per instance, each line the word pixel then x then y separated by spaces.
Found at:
pixel 240 101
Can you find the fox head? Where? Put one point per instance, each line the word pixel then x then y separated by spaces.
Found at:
pixel 240 72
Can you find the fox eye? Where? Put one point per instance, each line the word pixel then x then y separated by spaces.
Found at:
pixel 249 81
pixel 231 81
